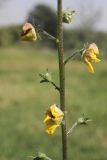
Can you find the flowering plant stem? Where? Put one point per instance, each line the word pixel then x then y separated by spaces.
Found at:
pixel 72 128
pixel 62 77
pixel 50 36
pixel 71 56
pixel 49 81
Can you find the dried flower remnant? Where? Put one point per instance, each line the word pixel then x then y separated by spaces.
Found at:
pixel 28 32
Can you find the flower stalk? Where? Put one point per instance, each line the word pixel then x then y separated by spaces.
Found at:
pixel 80 121
pixel 72 128
pixel 50 36
pixel 61 76
pixel 72 56
pixel 45 79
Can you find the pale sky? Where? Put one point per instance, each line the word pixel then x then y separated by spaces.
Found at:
pixel 15 11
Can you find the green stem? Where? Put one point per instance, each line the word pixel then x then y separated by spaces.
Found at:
pixel 49 81
pixel 72 128
pixel 71 56
pixel 62 77
pixel 39 30
pixel 49 35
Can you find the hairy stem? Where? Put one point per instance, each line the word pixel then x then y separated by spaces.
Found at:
pixel 72 128
pixel 62 77
pixel 71 56
pixel 49 35
pixel 49 81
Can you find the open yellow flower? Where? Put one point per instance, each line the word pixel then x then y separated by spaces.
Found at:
pixel 53 119
pixel 28 32
pixel 90 56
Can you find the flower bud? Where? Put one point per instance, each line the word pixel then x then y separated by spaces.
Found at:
pixel 83 120
pixel 67 16
pixel 42 156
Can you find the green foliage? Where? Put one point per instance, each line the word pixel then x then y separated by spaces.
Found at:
pixel 23 102
pixel 9 35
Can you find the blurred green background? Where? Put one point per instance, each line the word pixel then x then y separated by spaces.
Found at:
pixel 23 100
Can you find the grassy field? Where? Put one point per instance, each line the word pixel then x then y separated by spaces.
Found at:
pixel 23 102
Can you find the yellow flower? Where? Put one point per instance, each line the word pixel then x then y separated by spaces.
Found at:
pixel 53 119
pixel 28 32
pixel 90 56
pixel 51 127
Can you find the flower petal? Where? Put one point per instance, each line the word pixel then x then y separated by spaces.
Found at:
pixel 97 60
pixel 56 112
pixel 94 47
pixel 89 65
pixel 51 129
pixel 46 118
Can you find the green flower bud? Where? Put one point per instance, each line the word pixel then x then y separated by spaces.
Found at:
pixel 48 76
pixel 67 16
pixel 83 120
pixel 42 156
